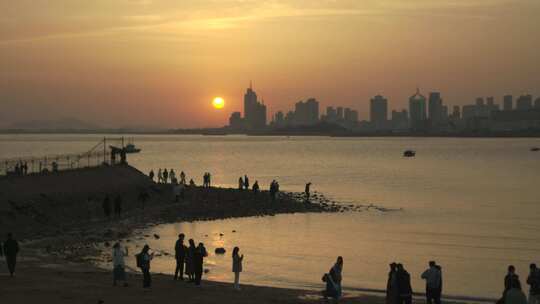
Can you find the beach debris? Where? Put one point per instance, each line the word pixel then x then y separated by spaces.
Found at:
pixel 156 236
pixel 206 270
pixel 220 250
pixel 234 231
pixel 221 234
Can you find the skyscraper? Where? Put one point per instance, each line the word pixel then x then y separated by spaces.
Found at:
pixel 378 112
pixel 508 103
pixel 254 111
pixel 524 102
pixel 417 111
pixel 435 108
pixel 307 113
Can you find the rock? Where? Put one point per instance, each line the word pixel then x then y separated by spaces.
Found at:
pixel 156 236
pixel 206 270
pixel 234 231
pixel 221 234
pixel 220 250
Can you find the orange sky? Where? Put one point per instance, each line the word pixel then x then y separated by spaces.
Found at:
pixel 160 62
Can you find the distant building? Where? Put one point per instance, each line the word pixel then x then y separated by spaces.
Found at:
pixel 456 113
pixel 254 111
pixel 339 113
pixel 400 120
pixel 279 119
pixel 435 108
pixel 378 112
pixel 508 103
pixel 417 111
pixel 516 120
pixel 524 102
pixel 236 121
pixel 331 114
pixel 350 116
pixel 307 113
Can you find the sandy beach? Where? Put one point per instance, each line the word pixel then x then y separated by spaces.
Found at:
pixel 61 228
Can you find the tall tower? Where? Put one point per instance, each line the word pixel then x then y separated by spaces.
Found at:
pixel 379 112
pixel 417 110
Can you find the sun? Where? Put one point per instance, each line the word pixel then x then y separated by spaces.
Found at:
pixel 218 103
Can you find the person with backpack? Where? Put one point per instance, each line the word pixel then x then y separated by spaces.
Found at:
pixel 143 262
pixel 534 282
pixel 333 281
pixel 198 262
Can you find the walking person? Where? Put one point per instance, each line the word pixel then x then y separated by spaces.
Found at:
pixel 433 279
pixel 333 281
pixel 118 206
pixel 391 285
pixel 180 255
pixel 240 183
pixel 143 261
pixel 534 282
pixel 404 285
pixel 237 266
pixel 165 176
pixel 11 249
pixel 119 271
pixel 246 182
pixel 190 268
pixel 106 206
pixel 306 190
pixel 198 262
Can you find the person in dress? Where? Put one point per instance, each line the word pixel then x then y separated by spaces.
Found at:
pixel 119 271
pixel 333 281
pixel 237 266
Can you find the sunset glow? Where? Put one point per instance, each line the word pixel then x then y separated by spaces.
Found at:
pixel 218 103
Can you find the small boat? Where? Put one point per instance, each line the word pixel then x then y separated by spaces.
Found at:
pixel 535 149
pixel 130 148
pixel 409 153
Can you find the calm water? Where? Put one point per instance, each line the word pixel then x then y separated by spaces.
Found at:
pixel 471 204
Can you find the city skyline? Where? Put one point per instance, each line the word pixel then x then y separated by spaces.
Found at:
pixel 160 63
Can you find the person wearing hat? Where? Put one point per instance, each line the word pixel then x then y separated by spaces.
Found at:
pixel 146 257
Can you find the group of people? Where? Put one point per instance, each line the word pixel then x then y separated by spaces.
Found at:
pixel 107 207
pixel 207 179
pixel 10 249
pixel 398 285
pixel 243 184
pixel 164 176
pixel 21 168
pixel 189 260
pixel 274 189
pixel 513 293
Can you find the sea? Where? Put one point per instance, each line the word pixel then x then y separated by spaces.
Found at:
pixel 470 204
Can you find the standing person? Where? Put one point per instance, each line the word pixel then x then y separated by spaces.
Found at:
pixel 404 285
pixel 172 175
pixel 209 180
pixel 246 182
pixel 256 187
pixel 534 282
pixel 143 260
pixel 106 206
pixel 180 255
pixel 165 176
pixel 237 266
pixel 182 178
pixel 160 176
pixel 189 261
pixel 151 175
pixel 306 190
pixel 119 272
pixel 333 280
pixel 433 279
pixel 118 206
pixel 198 262
pixel 240 183
pixel 391 285
pixel 11 249
pixel 511 280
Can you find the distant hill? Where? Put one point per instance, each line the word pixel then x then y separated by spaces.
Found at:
pixel 60 124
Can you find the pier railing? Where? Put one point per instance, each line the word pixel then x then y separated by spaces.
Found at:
pixel 100 154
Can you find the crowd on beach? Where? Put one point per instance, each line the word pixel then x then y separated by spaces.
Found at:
pixel 190 268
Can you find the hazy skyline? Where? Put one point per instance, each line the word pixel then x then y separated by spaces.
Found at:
pixel 160 63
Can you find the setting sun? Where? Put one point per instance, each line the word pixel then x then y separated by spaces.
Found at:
pixel 218 103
